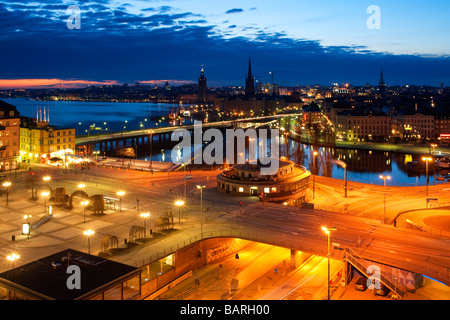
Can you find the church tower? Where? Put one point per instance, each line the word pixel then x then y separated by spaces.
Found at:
pixel 249 81
pixel 202 86
pixel 382 86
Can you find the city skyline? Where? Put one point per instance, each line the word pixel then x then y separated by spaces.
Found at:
pixel 304 44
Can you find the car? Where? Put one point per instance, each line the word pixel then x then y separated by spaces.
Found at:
pixel 361 284
pixel 382 290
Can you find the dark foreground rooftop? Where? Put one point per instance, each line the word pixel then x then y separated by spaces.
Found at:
pixel 46 278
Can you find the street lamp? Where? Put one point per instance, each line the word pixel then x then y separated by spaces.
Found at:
pixel 46 178
pixel 426 159
pixel 120 194
pixel 26 226
pixel 81 186
pixel 45 194
pixel 7 185
pixel 84 204
pixel 328 233
pixel 96 166
pixel 13 258
pixel 344 165
pixel 145 216
pixel 151 149
pixel 433 145
pixel 88 234
pixel 315 153
pixel 179 204
pixel 201 208
pixel 184 165
pixel 385 178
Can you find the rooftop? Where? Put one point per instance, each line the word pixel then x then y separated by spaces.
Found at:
pixel 41 280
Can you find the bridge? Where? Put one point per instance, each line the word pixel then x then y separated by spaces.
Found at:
pixel 111 141
pixel 401 256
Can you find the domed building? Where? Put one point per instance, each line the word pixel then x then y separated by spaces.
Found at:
pixel 289 183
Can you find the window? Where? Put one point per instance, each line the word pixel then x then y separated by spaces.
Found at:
pixel 266 190
pixel 241 189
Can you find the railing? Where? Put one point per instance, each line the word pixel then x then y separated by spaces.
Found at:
pixel 396 288
pixel 41 221
pixel 138 263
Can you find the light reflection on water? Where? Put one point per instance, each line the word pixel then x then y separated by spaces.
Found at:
pixel 363 165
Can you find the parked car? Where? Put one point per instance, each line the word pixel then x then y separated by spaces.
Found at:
pixel 382 290
pixel 361 284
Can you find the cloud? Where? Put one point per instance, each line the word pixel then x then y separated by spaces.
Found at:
pixel 162 43
pixel 234 10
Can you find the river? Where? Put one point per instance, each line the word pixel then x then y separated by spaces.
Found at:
pixel 362 165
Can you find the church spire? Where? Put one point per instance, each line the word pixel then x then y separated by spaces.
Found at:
pixel 381 77
pixel 249 81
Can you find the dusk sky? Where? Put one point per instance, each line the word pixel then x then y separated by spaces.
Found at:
pixel 303 42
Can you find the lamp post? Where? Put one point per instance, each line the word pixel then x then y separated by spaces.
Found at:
pixel 315 153
pixel 426 159
pixel 179 204
pixel 84 204
pixel 96 166
pixel 328 233
pixel 45 194
pixel 120 194
pixel 145 216
pixel 46 179
pixel 433 145
pixel 151 149
pixel 7 185
pixel 184 165
pixel 89 234
pixel 201 208
pixel 81 186
pixel 13 258
pixel 385 178
pixel 343 165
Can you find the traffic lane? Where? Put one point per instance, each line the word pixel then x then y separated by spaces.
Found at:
pixel 308 232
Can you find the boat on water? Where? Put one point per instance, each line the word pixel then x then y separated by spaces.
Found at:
pixel 443 163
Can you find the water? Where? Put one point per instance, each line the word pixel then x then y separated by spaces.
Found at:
pixel 363 165
pixel 104 116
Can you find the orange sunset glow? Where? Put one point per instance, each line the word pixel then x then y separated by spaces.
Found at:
pixel 48 83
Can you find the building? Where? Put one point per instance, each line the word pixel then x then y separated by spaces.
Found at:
pixel 9 136
pixel 382 87
pixel 356 125
pixel 48 278
pixel 442 127
pixel 41 142
pixel 417 125
pixel 289 183
pixel 202 89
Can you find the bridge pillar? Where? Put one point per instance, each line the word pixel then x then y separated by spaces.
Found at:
pixel 293 255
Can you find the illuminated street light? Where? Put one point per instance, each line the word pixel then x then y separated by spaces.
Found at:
pixel 385 178
pixel 433 145
pixel 201 208
pixel 88 234
pixel 145 216
pixel 426 159
pixel 7 185
pixel 84 204
pixel 179 204
pixel 81 186
pixel 120 194
pixel 96 166
pixel 13 258
pixel 45 194
pixel 151 149
pixel 328 233
pixel 46 178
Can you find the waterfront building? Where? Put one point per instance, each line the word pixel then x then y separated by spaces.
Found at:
pixel 41 142
pixel 417 125
pixel 9 136
pixel 356 125
pixel 289 183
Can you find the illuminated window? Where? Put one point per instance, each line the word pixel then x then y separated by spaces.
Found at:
pixel 266 190
pixel 241 189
